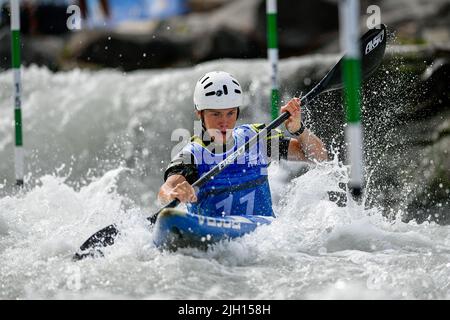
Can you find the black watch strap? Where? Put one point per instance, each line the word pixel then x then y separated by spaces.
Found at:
pixel 299 131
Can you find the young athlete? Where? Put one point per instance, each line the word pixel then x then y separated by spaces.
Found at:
pixel 243 187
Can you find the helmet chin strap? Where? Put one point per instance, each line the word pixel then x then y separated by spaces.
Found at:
pixel 204 130
pixel 202 118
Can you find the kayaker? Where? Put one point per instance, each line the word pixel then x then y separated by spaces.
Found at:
pixel 243 187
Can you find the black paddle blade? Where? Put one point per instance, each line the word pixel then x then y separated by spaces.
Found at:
pixel 106 237
pixel 91 247
pixel 373 46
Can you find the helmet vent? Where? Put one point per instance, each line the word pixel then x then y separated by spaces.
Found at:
pixel 216 90
pixel 204 80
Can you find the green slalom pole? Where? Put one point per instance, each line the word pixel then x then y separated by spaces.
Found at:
pixel 349 38
pixel 272 53
pixel 16 65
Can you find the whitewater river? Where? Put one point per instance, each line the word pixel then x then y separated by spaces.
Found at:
pixel 97 144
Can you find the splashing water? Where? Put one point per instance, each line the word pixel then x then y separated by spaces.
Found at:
pixel 314 249
pixel 97 144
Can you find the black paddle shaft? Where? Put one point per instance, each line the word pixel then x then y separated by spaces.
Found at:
pixel 373 45
pixel 372 48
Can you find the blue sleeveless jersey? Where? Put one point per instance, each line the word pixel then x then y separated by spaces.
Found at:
pixel 242 188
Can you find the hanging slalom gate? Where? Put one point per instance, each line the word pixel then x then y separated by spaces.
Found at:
pixel 349 43
pixel 272 54
pixel 16 68
pixel 349 38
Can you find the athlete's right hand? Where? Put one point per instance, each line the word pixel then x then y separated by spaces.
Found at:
pixel 183 192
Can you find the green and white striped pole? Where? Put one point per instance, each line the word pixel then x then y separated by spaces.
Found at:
pixel 349 38
pixel 272 53
pixel 16 63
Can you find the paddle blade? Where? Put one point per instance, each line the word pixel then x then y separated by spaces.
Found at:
pixel 373 46
pixel 103 238
pixel 106 236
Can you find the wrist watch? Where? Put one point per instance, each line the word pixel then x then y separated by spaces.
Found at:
pixel 299 131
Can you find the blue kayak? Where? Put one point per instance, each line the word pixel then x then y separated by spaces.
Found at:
pixel 178 229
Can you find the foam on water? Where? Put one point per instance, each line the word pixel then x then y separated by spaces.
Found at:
pixel 314 249
pixel 80 136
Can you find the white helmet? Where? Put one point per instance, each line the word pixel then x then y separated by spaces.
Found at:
pixel 217 90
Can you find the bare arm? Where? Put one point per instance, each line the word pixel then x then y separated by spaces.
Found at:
pixel 177 187
pixel 306 147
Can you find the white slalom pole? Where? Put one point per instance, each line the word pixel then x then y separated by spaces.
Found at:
pixel 272 54
pixel 349 39
pixel 16 67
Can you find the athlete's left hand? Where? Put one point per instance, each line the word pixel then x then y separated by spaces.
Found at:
pixel 293 123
